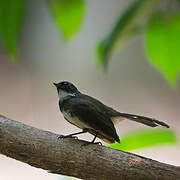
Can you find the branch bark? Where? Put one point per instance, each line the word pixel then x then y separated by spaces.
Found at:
pixel 42 149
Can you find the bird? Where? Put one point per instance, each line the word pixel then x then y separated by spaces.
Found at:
pixel 92 116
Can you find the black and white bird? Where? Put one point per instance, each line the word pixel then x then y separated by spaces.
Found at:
pixel 92 116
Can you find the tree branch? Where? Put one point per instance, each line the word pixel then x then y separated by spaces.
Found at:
pixel 42 149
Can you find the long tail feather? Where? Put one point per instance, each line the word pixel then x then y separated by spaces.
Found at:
pixel 144 120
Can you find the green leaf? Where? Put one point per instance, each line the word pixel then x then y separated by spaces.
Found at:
pixel 125 27
pixel 68 15
pixel 11 18
pixel 162 38
pixel 145 138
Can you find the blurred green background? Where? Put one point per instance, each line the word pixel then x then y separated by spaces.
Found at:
pixel 124 53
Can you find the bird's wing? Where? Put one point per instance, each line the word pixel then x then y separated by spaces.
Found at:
pixel 110 112
pixel 92 113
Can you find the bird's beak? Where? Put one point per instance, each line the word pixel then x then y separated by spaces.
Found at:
pixel 55 84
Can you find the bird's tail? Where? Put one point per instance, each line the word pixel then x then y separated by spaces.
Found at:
pixel 144 120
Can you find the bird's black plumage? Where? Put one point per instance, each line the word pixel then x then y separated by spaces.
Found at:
pixel 88 113
pixel 91 113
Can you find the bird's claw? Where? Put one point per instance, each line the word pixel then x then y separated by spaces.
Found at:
pixel 63 137
pixel 75 137
pixel 88 143
pixel 100 143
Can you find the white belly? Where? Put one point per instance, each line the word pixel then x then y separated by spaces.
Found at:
pixel 74 120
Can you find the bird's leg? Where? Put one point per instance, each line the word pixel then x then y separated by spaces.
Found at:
pixel 72 135
pixel 93 141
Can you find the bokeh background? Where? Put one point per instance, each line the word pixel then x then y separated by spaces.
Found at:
pixel 130 85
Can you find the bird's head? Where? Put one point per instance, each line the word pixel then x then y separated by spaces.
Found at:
pixel 65 89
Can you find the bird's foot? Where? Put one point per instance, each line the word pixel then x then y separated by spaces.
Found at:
pixel 88 143
pixel 68 136
pixel 100 143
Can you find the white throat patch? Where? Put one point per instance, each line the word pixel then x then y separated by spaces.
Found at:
pixel 64 94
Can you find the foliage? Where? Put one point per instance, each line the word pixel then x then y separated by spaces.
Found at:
pixel 162 37
pixel 11 18
pixel 68 15
pixel 145 138
pixel 162 30
pixel 125 27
